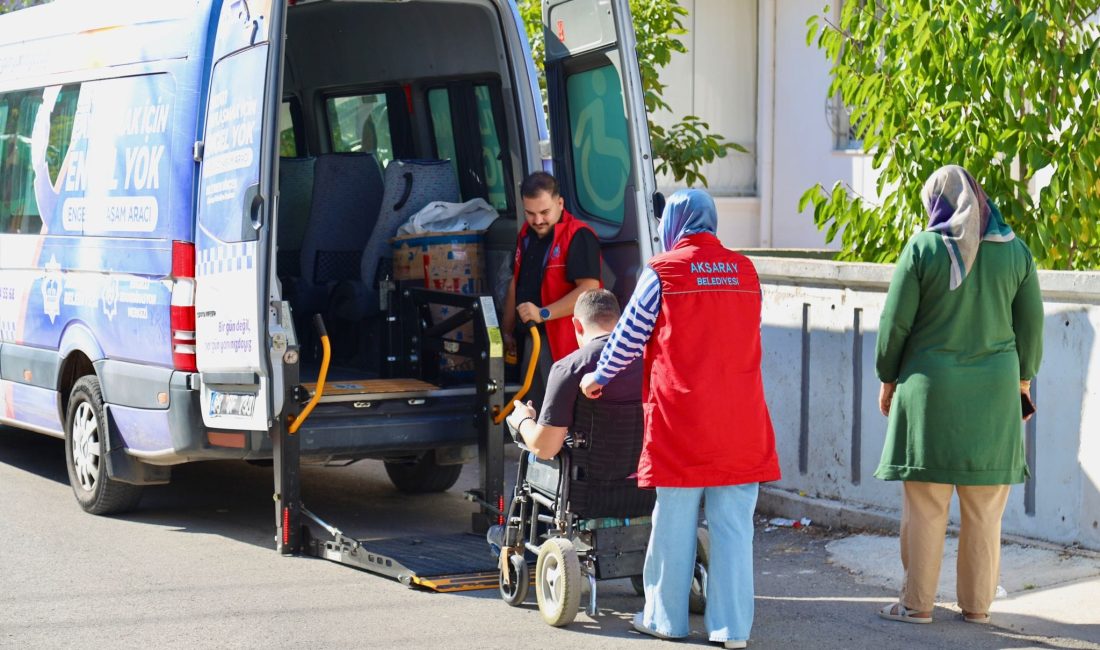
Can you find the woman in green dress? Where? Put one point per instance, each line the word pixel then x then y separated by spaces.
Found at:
pixel 959 340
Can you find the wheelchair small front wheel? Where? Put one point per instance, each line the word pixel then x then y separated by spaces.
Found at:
pixel 514 590
pixel 558 581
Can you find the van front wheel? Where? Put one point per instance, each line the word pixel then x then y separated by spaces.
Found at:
pixel 86 454
pixel 422 475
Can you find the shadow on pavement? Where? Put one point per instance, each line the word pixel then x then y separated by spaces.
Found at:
pixel 36 453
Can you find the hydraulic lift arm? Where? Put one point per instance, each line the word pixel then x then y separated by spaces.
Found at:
pixel 419 342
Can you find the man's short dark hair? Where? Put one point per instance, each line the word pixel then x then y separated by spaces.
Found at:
pixel 597 307
pixel 537 183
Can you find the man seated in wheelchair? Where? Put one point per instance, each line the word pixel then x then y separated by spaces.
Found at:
pixel 595 442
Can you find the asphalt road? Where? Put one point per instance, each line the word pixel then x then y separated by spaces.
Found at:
pixel 194 567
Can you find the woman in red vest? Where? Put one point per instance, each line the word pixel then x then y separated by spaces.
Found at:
pixel 557 259
pixel 695 315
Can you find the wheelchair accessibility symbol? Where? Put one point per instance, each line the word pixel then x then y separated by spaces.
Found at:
pixel 600 141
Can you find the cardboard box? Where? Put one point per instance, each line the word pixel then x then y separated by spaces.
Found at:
pixel 444 261
pixel 447 261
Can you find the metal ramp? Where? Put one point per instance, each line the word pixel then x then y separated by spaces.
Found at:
pixel 453 562
pixel 442 563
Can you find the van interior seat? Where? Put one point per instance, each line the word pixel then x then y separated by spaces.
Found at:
pixel 295 197
pixel 410 186
pixel 344 207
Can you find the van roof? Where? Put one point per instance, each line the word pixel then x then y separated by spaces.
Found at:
pixel 74 16
pixel 66 36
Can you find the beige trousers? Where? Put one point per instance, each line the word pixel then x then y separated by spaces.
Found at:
pixel 923 527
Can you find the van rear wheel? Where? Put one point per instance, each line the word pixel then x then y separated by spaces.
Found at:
pixel 86 454
pixel 422 475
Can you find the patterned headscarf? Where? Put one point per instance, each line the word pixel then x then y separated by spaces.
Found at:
pixel 963 215
pixel 688 212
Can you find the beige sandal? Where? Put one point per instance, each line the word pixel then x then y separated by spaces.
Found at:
pixel 899 612
pixel 971 617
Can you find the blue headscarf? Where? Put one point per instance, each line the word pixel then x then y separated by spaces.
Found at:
pixel 688 212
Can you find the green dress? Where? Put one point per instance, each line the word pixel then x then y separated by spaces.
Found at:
pixel 957 357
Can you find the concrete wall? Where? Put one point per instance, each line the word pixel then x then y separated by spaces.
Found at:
pixel 820 325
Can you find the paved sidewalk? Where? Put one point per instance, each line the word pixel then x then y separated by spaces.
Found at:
pixel 194 568
pixel 1047 592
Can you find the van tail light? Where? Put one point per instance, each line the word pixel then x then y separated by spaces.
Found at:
pixel 183 306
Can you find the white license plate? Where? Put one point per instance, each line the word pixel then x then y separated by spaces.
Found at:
pixel 239 404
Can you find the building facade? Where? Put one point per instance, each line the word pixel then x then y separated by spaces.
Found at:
pixel 750 74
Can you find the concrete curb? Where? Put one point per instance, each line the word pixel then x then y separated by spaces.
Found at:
pixel 827 512
pixel 840 514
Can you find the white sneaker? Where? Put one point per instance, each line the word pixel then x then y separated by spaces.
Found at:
pixel 639 626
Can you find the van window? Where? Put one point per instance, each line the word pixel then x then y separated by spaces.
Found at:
pixel 490 149
pixel 18 206
pixel 601 159
pixel 439 102
pixel 289 130
pixel 61 129
pixel 360 123
pixel 466 132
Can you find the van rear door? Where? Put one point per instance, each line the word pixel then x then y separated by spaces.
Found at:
pixel 599 132
pixel 234 208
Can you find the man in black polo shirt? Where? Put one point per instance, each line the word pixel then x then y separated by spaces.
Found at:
pixel 594 317
pixel 557 257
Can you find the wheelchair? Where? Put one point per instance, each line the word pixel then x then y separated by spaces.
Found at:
pixel 583 516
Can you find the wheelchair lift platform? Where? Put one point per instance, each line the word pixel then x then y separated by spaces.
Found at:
pixel 445 563
pixel 442 563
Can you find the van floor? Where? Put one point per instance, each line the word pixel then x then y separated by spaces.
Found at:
pixel 342 384
pixel 309 372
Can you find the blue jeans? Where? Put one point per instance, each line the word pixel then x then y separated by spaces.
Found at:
pixel 670 560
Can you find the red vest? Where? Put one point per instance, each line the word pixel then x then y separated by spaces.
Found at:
pixel 555 285
pixel 706 423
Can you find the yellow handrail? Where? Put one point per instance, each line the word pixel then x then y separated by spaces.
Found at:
pixel 532 363
pixel 326 354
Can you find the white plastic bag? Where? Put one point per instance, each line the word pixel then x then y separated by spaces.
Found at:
pixel 441 216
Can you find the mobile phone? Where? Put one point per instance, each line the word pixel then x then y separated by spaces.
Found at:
pixel 1026 405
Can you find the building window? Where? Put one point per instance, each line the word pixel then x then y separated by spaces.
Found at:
pixel 717 80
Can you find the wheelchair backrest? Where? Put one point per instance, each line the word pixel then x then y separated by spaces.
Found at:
pixel 607 439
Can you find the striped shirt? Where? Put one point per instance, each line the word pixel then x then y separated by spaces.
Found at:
pixel 633 330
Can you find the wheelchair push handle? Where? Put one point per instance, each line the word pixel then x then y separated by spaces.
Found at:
pixel 532 364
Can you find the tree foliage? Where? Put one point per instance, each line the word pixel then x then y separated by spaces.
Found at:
pixel 687 145
pixel 1006 89
pixel 14 5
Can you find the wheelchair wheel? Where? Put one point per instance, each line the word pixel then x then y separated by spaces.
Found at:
pixel 558 581
pixel 514 592
pixel 697 601
pixel 638 584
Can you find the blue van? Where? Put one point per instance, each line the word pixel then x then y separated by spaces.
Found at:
pixel 184 183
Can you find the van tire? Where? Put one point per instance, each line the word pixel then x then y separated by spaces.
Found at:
pixel 86 453
pixel 422 475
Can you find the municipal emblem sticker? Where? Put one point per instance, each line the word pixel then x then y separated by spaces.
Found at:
pixel 556 252
pixel 109 296
pixel 51 289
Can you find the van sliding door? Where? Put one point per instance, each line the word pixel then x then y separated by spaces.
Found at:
pixel 234 207
pixel 600 135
